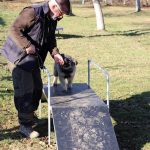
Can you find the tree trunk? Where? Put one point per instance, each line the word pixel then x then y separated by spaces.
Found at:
pixel 99 15
pixel 145 3
pixel 71 13
pixel 124 2
pixel 70 9
pixel 108 2
pixel 83 2
pixel 138 5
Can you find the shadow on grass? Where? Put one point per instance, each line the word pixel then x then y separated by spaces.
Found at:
pixel 136 32
pixel 120 15
pixel 72 14
pixel 5 92
pixel 129 14
pixel 13 133
pixel 2 22
pixel 132 118
pixel 68 36
pixel 8 78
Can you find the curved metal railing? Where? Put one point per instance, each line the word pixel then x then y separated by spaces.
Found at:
pixel 105 74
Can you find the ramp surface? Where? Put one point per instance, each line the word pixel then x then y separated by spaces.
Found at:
pixel 81 120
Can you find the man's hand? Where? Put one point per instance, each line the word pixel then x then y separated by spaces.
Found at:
pixel 31 49
pixel 58 59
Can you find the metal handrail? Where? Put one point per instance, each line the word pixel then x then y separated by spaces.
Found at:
pixel 49 105
pixel 105 74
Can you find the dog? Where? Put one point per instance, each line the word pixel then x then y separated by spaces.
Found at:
pixel 65 72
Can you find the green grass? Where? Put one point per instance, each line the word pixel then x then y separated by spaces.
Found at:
pixel 123 50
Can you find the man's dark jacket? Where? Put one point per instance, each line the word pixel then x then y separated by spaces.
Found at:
pixel 32 26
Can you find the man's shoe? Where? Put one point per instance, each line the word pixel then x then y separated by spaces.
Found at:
pixel 28 131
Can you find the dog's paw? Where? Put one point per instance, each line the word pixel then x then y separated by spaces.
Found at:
pixel 64 88
pixel 69 87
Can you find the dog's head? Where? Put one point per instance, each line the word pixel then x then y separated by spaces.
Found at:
pixel 69 63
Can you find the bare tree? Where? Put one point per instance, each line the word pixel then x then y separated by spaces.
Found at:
pixel 108 2
pixel 83 2
pixel 147 3
pixel 99 15
pixel 124 2
pixel 71 13
pixel 138 5
pixel 70 9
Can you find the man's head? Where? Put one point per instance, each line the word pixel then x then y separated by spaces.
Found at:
pixel 64 6
pixel 58 8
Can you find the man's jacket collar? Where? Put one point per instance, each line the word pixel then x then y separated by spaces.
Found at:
pixel 46 8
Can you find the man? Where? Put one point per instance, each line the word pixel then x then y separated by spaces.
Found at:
pixel 32 35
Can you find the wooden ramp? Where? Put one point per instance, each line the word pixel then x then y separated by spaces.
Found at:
pixel 81 120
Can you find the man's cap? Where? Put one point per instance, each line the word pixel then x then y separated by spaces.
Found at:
pixel 64 6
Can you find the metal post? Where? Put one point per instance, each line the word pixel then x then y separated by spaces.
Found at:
pixel 49 111
pixel 40 107
pixel 108 92
pixel 89 73
pixel 106 75
pixel 49 106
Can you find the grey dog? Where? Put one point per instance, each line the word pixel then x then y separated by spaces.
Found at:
pixel 65 72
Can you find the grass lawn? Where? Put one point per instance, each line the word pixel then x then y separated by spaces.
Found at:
pixel 122 50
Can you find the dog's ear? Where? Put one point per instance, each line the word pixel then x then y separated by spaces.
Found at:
pixel 63 55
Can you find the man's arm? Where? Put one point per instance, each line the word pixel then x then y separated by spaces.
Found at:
pixel 54 51
pixel 52 40
pixel 24 21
